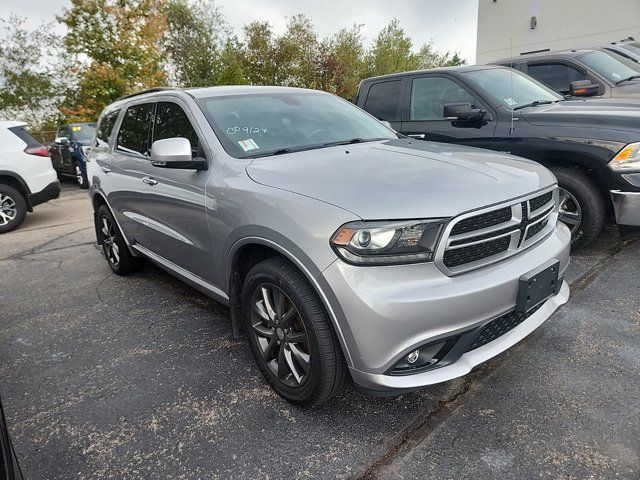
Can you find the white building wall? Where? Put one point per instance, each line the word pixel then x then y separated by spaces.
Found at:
pixel 561 25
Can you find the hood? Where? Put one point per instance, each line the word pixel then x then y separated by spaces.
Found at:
pixel 628 89
pixel 623 114
pixel 402 179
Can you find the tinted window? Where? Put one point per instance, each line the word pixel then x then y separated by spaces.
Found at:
pixel 105 128
pixel 135 130
pixel 64 131
pixel 265 123
pixel 430 94
pixel 556 75
pixel 383 100
pixel 25 136
pixel 172 121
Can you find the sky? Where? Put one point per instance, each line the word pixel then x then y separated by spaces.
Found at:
pixel 450 24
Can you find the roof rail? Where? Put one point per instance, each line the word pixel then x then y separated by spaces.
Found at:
pixel 147 90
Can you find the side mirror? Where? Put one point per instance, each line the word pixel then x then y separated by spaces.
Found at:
pixel 583 88
pixel 61 140
pixel 463 115
pixel 175 153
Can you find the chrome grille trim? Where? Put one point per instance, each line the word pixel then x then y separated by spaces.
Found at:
pixel 516 228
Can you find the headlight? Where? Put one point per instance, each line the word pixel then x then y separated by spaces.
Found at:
pixel 627 159
pixel 387 243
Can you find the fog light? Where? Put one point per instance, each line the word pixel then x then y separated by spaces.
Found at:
pixel 413 356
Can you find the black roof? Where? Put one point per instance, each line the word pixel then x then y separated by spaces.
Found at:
pixel 458 69
pixel 559 54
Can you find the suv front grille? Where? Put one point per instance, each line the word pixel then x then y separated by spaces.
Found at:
pixel 499 326
pixel 475 240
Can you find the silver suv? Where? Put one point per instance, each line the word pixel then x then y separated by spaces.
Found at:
pixel 343 249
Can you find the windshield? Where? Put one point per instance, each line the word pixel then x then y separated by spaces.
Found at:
pixel 610 65
pixel 261 124
pixel 633 47
pixel 83 132
pixel 511 88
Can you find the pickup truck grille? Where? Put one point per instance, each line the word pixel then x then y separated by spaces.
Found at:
pixel 474 240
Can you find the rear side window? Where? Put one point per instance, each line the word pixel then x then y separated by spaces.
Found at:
pixel 383 100
pixel 171 121
pixel 135 131
pixel 25 136
pixel 556 76
pixel 105 128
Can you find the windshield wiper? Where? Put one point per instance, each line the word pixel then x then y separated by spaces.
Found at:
pixel 280 151
pixel 534 104
pixel 632 77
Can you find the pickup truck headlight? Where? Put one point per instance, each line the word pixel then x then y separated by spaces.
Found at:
pixel 628 158
pixel 387 243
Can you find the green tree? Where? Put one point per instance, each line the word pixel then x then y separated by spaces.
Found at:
pixel 342 62
pixel 392 51
pixel 30 83
pixel 120 44
pixel 259 54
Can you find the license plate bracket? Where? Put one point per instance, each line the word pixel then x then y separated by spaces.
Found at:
pixel 538 285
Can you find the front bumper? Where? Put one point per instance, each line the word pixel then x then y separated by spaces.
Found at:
pixel 390 311
pixel 49 192
pixel 626 206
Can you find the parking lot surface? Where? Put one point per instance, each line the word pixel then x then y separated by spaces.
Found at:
pixel 140 377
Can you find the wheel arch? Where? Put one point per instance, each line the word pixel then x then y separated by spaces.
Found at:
pixel 16 181
pixel 248 251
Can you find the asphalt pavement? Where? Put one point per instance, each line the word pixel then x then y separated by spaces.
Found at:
pixel 140 377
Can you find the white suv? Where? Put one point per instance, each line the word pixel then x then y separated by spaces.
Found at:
pixel 27 177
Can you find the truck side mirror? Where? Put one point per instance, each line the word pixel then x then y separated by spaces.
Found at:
pixel 583 88
pixel 463 115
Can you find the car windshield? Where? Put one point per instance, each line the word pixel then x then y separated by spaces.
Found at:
pixel 610 65
pixel 511 88
pixel 262 124
pixel 83 132
pixel 632 47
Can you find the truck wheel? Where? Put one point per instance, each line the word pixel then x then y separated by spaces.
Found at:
pixel 582 207
pixel 81 177
pixel 290 336
pixel 114 247
pixel 13 208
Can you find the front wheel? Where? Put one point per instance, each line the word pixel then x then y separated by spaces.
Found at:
pixel 13 208
pixel 81 177
pixel 582 207
pixel 290 336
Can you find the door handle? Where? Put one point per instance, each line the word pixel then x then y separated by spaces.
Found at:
pixel 105 169
pixel 149 181
pixel 421 136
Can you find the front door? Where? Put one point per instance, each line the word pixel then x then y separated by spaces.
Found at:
pixel 175 224
pixel 424 112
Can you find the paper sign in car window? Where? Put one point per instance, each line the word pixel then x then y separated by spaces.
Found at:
pixel 248 144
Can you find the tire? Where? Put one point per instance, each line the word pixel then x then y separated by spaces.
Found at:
pixel 326 373
pixel 586 199
pixel 13 208
pixel 81 176
pixel 114 247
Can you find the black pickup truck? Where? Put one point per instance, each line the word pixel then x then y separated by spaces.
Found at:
pixel 591 145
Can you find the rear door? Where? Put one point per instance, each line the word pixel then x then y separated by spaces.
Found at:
pixel 383 100
pixel 123 173
pixel 423 118
pixel 175 222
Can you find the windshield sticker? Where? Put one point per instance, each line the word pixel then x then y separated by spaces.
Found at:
pixel 510 101
pixel 248 144
pixel 246 129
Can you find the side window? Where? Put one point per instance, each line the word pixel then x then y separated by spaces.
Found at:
pixel 105 128
pixel 383 100
pixel 135 131
pixel 171 121
pixel 556 76
pixel 63 131
pixel 430 94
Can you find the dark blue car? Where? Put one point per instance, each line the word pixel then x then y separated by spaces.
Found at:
pixel 70 149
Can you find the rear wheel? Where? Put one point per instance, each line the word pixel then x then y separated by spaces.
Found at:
pixel 114 247
pixel 290 336
pixel 13 208
pixel 582 207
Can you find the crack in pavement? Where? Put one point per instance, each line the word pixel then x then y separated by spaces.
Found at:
pixel 426 423
pixel 38 248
